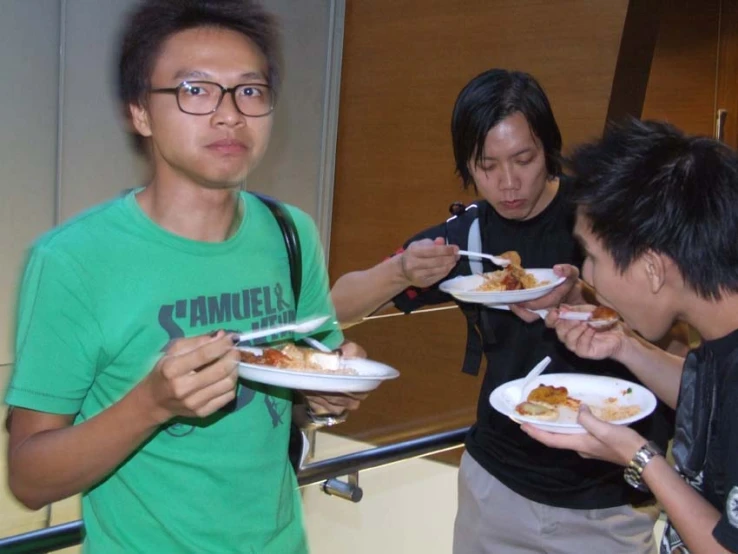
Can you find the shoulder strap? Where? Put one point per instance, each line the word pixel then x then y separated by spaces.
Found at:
pixel 463 228
pixel 291 241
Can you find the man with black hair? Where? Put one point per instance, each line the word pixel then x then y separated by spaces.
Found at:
pixel 182 457
pixel 658 219
pixel 515 496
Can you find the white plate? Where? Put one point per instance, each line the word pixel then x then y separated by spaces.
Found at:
pixel 590 389
pixel 464 288
pixel 370 376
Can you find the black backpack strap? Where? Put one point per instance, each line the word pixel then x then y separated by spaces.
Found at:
pixel 291 242
pixel 463 228
pixel 294 254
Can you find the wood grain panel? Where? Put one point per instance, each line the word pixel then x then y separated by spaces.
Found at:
pixel 404 63
pixel 681 87
pixel 727 85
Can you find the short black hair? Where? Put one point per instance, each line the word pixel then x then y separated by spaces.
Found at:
pixel 647 186
pixel 152 22
pixel 488 99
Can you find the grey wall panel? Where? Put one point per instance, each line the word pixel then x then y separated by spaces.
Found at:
pixel 291 169
pixel 29 39
pixel 95 159
pixel 97 162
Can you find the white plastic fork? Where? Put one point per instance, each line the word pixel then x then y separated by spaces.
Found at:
pixel 315 343
pixel 298 327
pixel 502 262
pixel 535 372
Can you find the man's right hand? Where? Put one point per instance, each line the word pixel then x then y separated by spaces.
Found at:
pixel 196 377
pixel 585 341
pixel 425 262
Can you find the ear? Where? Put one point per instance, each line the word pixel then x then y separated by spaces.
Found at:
pixel 140 119
pixel 655 267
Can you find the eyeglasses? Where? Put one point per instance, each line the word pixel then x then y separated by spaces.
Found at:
pixel 204 97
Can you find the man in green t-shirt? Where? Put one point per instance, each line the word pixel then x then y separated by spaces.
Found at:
pixel 125 386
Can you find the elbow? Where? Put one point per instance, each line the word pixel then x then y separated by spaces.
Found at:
pixel 26 495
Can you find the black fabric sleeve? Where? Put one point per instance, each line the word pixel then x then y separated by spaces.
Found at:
pixel 726 531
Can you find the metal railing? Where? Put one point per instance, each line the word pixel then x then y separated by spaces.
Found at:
pixel 70 534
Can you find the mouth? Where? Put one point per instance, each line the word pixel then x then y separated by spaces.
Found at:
pixel 513 204
pixel 227 147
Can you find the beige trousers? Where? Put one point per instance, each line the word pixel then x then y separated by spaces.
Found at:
pixel 492 519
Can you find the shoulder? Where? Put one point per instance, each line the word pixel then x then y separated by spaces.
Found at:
pixel 86 230
pixel 304 223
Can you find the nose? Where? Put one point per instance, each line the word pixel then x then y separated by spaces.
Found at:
pixel 508 179
pixel 227 113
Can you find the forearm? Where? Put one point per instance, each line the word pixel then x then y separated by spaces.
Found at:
pixel 361 293
pixel 658 370
pixel 692 516
pixel 58 463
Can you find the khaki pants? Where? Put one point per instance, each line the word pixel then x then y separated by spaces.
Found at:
pixel 492 519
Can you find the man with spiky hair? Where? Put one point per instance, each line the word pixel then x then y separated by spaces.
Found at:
pixel 657 216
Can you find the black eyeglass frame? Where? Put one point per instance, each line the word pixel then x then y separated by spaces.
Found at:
pixel 223 91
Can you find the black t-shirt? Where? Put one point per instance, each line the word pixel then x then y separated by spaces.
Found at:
pixel 512 347
pixel 706 439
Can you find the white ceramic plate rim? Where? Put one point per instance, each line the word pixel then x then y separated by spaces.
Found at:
pixel 576 383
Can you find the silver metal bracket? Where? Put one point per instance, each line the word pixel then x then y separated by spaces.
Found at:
pixel 348 490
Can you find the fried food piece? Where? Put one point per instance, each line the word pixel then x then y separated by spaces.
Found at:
pixel 537 411
pixel 548 395
pixel 603 312
pixel 513 257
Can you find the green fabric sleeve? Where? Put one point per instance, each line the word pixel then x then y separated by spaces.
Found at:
pixel 57 342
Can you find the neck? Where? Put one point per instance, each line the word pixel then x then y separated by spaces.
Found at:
pixel 712 319
pixel 547 196
pixel 192 211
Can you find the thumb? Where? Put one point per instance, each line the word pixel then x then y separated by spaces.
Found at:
pixel 440 241
pixel 183 346
pixel 590 422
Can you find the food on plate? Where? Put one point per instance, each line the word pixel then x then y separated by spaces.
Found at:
pixel 537 411
pixel 545 401
pixel 513 257
pixel 614 413
pixel 548 395
pixel 513 277
pixel 297 358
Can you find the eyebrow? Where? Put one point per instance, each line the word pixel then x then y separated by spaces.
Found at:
pixel 525 150
pixel 196 74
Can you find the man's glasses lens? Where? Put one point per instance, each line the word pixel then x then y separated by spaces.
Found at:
pixel 202 97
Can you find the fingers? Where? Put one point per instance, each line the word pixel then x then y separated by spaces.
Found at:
pixel 196 376
pixel 554 440
pixel 563 291
pixel 322 403
pixel 524 313
pixel 350 349
pixel 566 270
pixel 424 262
pixel 186 355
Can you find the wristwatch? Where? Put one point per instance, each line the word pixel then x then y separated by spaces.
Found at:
pixel 634 471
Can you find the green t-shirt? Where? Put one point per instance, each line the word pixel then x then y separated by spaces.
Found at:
pixel 101 296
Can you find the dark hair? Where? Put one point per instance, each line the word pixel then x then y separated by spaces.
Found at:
pixel 488 99
pixel 152 22
pixel 647 186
